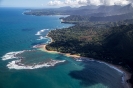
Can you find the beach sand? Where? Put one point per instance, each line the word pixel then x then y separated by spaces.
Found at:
pixel 43 47
pixel 125 77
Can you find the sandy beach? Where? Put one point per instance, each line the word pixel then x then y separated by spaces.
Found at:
pixel 125 77
pixel 43 47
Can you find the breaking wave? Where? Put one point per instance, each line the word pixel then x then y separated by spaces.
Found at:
pixel 41 38
pixel 16 64
pixel 41 31
pixel 11 55
pixel 14 55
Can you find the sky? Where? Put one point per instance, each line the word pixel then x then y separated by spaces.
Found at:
pixel 60 3
pixel 24 3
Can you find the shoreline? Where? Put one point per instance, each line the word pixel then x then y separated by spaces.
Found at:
pixel 126 74
pixel 43 48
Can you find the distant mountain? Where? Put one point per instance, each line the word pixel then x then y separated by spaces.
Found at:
pixel 89 7
pixel 95 13
pixel 106 9
pixel 126 9
pixel 66 8
pixel 113 17
pixel 103 11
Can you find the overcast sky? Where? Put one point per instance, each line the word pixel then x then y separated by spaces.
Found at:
pixel 60 3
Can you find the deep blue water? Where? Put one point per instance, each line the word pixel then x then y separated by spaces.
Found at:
pixel 17 33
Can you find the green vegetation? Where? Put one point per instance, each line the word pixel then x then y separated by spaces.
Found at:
pixel 81 39
pixel 110 44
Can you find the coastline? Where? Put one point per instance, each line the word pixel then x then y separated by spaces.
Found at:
pixel 125 77
pixel 43 48
pixel 126 74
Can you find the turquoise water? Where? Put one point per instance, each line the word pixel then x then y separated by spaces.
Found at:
pixel 37 69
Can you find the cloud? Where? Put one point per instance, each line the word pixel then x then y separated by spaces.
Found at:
pixel 77 3
pixel 55 3
pixel 72 3
pixel 114 2
pixel 82 2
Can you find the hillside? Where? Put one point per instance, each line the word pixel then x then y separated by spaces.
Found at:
pixel 112 44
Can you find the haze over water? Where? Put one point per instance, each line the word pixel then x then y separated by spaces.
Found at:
pixel 39 69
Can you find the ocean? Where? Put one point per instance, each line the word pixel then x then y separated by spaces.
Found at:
pixel 22 65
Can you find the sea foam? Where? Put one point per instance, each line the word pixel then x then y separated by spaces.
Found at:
pixel 41 31
pixel 16 64
pixel 11 55
pixel 41 38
